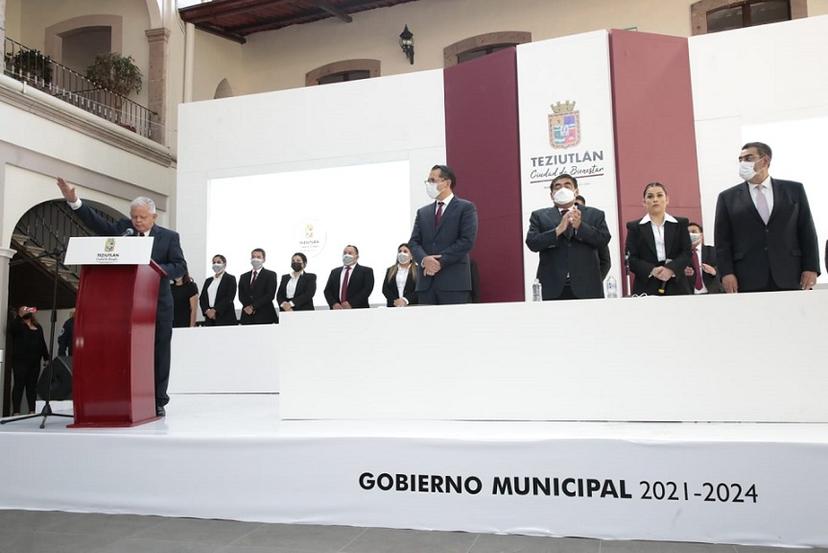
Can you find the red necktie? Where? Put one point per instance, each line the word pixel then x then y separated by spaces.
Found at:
pixel 343 294
pixel 252 280
pixel 439 214
pixel 696 269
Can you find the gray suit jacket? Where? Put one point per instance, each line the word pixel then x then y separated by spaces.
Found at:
pixel 453 239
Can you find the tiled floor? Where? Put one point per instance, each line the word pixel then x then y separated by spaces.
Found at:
pixel 54 532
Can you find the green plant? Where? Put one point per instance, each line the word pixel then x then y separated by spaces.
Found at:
pixel 31 65
pixel 116 73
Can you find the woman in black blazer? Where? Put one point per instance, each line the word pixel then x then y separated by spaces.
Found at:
pixel 222 312
pixel 659 271
pixel 400 281
pixel 296 290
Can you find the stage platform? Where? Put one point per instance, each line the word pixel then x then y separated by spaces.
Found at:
pixel 230 456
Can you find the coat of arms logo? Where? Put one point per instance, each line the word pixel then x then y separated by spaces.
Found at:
pixel 109 245
pixel 564 125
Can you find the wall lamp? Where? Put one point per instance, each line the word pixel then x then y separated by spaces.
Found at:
pixel 407 44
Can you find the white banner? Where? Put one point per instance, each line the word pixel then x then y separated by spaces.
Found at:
pixel 566 126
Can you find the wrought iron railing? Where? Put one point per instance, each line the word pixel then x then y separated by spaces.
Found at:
pixel 42 72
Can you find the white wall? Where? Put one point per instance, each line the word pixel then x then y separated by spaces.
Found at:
pixel 376 120
pixel 770 84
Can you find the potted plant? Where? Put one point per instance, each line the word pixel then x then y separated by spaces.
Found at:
pixel 32 66
pixel 117 74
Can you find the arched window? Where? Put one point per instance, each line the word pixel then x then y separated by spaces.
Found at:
pixel 710 16
pixel 341 71
pixel 482 45
pixel 223 90
pixel 75 42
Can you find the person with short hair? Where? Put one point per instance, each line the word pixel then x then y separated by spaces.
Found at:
pixel 658 247
pixel 67 335
pixel 444 234
pixel 185 301
pixel 567 239
pixel 401 280
pixel 28 349
pixel 297 289
pixel 257 289
pixel 218 295
pixel 349 286
pixel 764 233
pixel 701 274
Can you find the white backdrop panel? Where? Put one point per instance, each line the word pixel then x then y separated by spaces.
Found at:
pixel 574 68
pixel 788 108
pixel 584 360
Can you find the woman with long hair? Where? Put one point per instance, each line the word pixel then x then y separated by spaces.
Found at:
pixel 218 295
pixel 29 348
pixel 401 279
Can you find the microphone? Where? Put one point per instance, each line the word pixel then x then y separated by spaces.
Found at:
pixel 128 232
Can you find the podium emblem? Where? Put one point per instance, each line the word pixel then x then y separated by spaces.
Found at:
pixel 564 125
pixel 109 245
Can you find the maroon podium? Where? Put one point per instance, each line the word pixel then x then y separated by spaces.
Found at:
pixel 114 336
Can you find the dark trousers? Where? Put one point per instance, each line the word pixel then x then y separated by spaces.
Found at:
pixel 25 377
pixel 163 337
pixel 566 294
pixel 443 297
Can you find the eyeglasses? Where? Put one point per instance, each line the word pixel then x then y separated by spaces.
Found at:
pixel 432 181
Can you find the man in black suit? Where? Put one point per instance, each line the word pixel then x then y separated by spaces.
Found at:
pixel 765 235
pixel 444 233
pixel 257 288
pixel 568 240
pixel 166 252
pixel 604 259
pixel 350 285
pixel 701 274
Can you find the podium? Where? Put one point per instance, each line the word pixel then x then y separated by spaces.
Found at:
pixel 114 338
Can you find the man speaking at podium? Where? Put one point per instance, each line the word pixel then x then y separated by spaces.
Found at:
pixel 166 251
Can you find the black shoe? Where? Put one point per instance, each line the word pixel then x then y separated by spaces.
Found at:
pixel 160 411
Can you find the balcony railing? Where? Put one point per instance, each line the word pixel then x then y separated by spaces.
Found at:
pixel 40 71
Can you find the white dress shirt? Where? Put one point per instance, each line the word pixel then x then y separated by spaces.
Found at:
pixel 767 190
pixel 212 288
pixel 290 289
pixel 402 277
pixel 658 234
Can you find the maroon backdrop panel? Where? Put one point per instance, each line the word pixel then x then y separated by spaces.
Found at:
pixel 483 148
pixel 655 137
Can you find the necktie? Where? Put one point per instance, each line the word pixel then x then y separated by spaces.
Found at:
pixel 762 204
pixel 253 278
pixel 343 294
pixel 439 214
pixel 696 269
pixel 140 234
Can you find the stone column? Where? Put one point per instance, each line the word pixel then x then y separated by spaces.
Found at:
pixel 5 256
pixel 3 43
pixel 157 80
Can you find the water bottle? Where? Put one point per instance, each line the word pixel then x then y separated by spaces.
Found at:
pixel 537 291
pixel 612 287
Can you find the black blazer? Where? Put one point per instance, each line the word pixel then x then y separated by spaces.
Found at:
pixel 754 252
pixel 573 253
pixel 303 296
pixel 225 309
pixel 453 239
pixel 390 291
pixel 713 283
pixel 166 251
pixel 643 258
pixel 360 286
pixel 260 297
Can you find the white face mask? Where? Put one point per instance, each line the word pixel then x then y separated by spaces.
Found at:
pixel 695 237
pixel 257 263
pixel 563 196
pixel 403 258
pixel 218 267
pixel 347 259
pixel 431 190
pixel 746 170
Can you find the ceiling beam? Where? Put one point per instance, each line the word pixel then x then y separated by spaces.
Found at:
pixel 222 33
pixel 225 8
pixel 333 10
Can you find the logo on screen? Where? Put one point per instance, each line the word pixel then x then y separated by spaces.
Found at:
pixel 109 245
pixel 564 125
pixel 310 238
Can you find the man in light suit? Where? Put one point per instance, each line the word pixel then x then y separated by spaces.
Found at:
pixel 444 233
pixel 350 285
pixel 166 251
pixel 765 235
pixel 257 288
pixel 568 240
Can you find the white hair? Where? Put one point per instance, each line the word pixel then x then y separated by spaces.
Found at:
pixel 143 201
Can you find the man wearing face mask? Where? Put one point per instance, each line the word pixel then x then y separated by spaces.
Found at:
pixel 166 252
pixel 257 288
pixel 765 235
pixel 350 285
pixel 444 233
pixel 701 273
pixel 568 239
